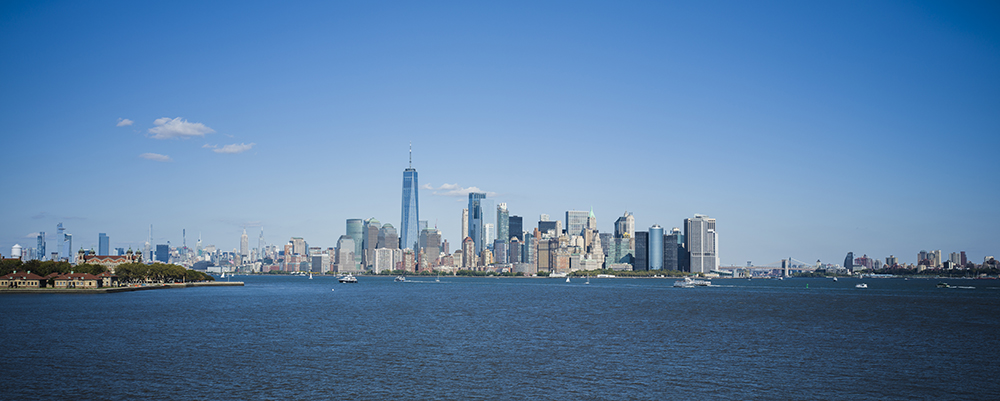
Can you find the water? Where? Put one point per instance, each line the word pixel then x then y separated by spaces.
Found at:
pixel 508 338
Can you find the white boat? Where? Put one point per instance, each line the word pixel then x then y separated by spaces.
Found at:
pixel 588 280
pixel 862 285
pixel 310 276
pixel 834 279
pixel 348 279
pixel 400 278
pixel 688 282
pixel 438 279
pixel 567 279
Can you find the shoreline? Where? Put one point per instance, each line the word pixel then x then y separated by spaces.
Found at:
pixel 108 290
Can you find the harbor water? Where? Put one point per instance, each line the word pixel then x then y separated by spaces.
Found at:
pixel 289 337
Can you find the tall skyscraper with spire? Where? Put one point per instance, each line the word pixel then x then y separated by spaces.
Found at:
pixel 244 244
pixel 409 229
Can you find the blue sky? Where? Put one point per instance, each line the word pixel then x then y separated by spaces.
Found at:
pixel 808 129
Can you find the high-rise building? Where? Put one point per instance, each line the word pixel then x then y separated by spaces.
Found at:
pixel 163 253
pixel 545 226
pixel 355 229
pixel 387 237
pixel 371 229
pixel 702 243
pixel 500 252
pixel 848 261
pixel 244 244
pixel 468 252
pixel 503 223
pixel 41 246
pixel 516 227
pixel 640 259
pixel 674 254
pixel 576 222
pixel 345 254
pixel 299 246
pixel 66 246
pixel 476 221
pixel 625 226
pixel 260 243
pixel 465 223
pixel 103 244
pixel 655 247
pixel 891 261
pixel 410 225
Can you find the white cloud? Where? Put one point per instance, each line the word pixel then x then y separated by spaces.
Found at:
pixel 456 190
pixel 207 146
pixel 426 186
pixel 167 128
pixel 156 157
pixel 32 235
pixel 124 122
pixel 234 148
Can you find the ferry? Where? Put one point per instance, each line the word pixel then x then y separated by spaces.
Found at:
pixel 348 279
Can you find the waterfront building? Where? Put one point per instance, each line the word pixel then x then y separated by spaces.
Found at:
pixel 431 238
pixel 503 224
pixel 701 241
pixel 410 223
pixel 529 251
pixel 640 259
pixel 674 254
pixel 655 244
pixel 103 244
pixel 849 262
pixel 370 241
pixel 108 261
pixel 476 220
pixel 384 260
pixel 576 222
pixel 619 252
pixel 355 229
pixel 468 253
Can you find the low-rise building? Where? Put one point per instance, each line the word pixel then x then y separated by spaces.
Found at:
pixel 22 280
pixel 78 280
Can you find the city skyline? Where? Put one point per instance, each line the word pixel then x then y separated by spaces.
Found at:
pixel 793 124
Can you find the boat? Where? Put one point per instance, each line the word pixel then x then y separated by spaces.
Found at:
pixel 310 276
pixel 862 285
pixel 685 283
pixel 943 285
pixel 400 278
pixel 588 280
pixel 438 279
pixel 834 279
pixel 567 279
pixel 348 279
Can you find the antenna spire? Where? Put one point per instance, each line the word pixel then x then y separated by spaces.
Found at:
pixel 411 154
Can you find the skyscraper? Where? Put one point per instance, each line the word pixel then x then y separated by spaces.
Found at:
pixel 355 229
pixel 465 223
pixel 701 240
pixel 41 245
pixel 576 222
pixel 655 247
pixel 516 227
pixel 244 244
pixel 503 223
pixel 103 244
pixel 371 229
pixel 411 208
pixel 387 237
pixel 476 221
pixel 625 226
pixel 640 259
pixel 163 253
pixel 674 254
pixel 849 261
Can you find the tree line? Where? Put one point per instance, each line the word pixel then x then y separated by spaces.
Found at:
pixel 127 272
